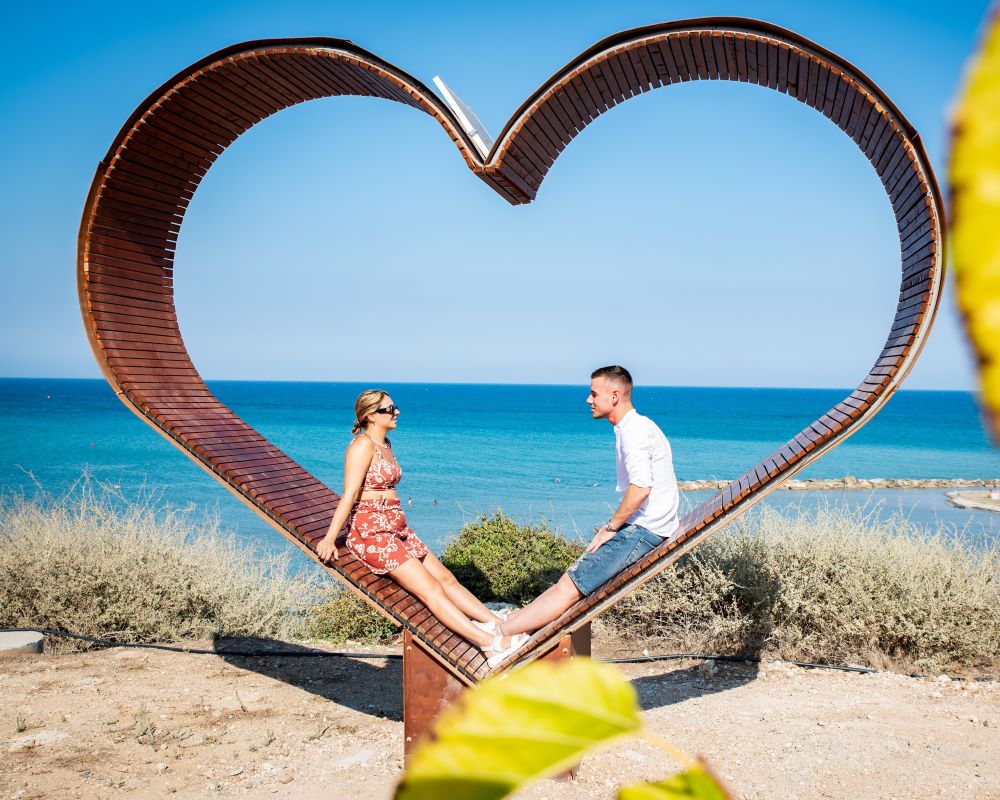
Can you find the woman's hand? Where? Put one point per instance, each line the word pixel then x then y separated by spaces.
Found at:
pixel 360 454
pixel 327 548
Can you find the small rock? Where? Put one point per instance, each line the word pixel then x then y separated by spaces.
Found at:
pixel 936 694
pixel 286 776
pixel 39 739
pixel 17 643
pixel 160 767
pixel 361 757
pixel 942 678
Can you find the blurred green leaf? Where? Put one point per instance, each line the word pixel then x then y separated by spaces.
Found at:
pixel 520 726
pixel 692 784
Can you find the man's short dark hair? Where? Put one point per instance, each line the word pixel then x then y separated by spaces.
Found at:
pixel 616 374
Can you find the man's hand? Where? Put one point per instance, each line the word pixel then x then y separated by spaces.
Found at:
pixel 601 535
pixel 327 548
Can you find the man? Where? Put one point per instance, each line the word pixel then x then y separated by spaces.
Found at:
pixel 646 515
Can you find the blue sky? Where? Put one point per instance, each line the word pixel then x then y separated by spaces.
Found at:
pixel 702 234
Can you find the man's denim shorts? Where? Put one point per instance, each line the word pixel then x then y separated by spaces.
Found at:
pixel 621 551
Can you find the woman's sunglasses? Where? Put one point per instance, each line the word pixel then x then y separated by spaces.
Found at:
pixel 393 409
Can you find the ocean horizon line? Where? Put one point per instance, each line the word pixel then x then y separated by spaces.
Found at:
pixel 640 386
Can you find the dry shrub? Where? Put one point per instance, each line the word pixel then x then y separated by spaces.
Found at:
pixel 341 616
pixel 96 564
pixel 831 585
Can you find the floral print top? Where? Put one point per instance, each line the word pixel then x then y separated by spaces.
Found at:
pixel 383 474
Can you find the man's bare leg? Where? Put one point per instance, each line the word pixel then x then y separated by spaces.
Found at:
pixel 543 609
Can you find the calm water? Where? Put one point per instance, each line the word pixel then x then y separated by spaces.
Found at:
pixel 467 449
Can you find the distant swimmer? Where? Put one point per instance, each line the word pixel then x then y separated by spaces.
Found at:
pixel 409 501
pixel 557 479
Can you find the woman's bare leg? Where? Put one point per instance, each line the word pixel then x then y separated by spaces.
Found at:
pixel 543 609
pixel 469 604
pixel 414 577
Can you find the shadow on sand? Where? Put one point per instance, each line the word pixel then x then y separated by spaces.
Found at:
pixel 372 686
pixel 665 686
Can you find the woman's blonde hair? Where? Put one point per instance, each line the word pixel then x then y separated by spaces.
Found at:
pixel 366 404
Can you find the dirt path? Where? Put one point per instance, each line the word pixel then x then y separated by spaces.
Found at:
pixel 148 724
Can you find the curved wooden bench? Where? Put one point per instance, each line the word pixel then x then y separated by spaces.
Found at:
pixel 142 188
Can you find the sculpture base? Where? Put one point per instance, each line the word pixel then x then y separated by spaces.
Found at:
pixel 428 688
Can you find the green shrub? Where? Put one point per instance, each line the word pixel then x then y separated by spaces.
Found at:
pixel 344 617
pixel 95 564
pixel 498 560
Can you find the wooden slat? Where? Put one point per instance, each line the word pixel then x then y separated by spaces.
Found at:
pixel 627 85
pixel 616 90
pixel 261 68
pixel 224 99
pixel 597 83
pixel 680 48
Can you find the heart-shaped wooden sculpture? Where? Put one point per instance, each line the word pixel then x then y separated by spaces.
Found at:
pixel 142 188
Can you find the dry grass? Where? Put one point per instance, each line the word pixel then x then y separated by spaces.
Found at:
pixel 830 586
pixel 95 564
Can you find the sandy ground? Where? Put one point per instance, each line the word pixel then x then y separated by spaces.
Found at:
pixel 148 724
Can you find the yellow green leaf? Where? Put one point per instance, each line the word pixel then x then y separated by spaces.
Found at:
pixel 696 783
pixel 974 175
pixel 520 726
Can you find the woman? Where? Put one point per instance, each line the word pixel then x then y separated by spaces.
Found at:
pixel 379 536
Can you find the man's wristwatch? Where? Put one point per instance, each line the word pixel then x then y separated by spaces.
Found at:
pixel 609 529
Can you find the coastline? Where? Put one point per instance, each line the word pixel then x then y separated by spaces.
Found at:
pixel 850 482
pixel 973 500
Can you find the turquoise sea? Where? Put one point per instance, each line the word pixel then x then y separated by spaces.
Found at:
pixel 468 449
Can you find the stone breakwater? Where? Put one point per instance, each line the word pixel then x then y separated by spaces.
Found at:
pixel 850 482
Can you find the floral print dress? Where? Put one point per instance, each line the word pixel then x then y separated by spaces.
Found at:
pixel 377 529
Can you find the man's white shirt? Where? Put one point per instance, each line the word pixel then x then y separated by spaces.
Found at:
pixel 643 458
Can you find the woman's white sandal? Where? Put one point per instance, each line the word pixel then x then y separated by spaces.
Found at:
pixel 489 626
pixel 517 641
